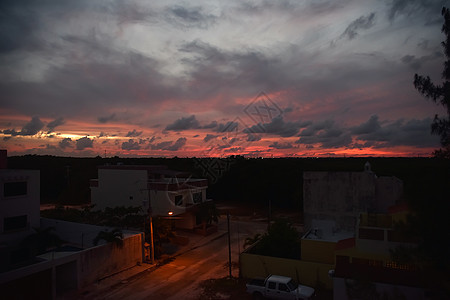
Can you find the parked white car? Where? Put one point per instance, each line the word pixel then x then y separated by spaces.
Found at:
pixel 279 287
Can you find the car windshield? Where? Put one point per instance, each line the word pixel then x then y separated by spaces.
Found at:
pixel 291 284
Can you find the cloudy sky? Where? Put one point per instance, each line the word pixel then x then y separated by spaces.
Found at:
pixel 216 78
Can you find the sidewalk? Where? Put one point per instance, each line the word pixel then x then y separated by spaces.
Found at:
pixel 114 280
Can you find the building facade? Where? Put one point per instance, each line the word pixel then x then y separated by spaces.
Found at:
pixel 165 192
pixel 19 203
pixel 342 196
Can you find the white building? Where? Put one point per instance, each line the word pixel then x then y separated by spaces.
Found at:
pixel 49 275
pixel 19 211
pixel 167 192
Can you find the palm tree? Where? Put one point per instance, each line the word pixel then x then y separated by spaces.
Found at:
pixel 115 236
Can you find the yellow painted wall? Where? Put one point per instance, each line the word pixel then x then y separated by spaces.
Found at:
pixel 318 251
pixel 306 273
pixel 400 216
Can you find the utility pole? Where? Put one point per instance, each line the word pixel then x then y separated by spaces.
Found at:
pixel 229 244
pixel 152 245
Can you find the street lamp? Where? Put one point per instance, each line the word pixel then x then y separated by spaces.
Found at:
pixel 152 244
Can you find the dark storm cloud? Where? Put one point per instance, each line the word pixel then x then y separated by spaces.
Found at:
pixel 416 63
pixel 107 119
pixel 327 133
pixel 134 133
pixel 178 144
pixel 21 21
pixel 184 124
pixel 209 137
pixel 370 126
pixel 186 17
pixel 72 87
pixel 371 133
pixel 227 127
pixel 399 133
pixel 247 7
pixel 253 137
pixel 279 127
pixel 426 9
pixel 216 70
pixel 281 145
pixel 211 125
pixel 169 145
pixel 55 123
pixel 65 143
pixel 131 145
pixel 84 143
pixel 31 128
pixel 313 128
pixel 363 22
pixel 17 27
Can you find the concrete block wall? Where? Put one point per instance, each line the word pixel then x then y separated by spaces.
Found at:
pixel 102 261
pixel 306 273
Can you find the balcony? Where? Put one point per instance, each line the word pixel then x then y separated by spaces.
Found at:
pixel 176 185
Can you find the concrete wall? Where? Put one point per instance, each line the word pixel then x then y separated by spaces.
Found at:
pixel 96 262
pixel 78 234
pixel 19 205
pixel 388 191
pixel 318 251
pixel 120 188
pixel 101 261
pixel 341 196
pixel 384 291
pixel 338 196
pixel 71 270
pixel 306 273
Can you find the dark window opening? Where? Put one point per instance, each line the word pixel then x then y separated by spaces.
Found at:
pixel 272 285
pixel 282 287
pixel 15 223
pixel 178 200
pixel 11 189
pixel 197 197
pixel 20 255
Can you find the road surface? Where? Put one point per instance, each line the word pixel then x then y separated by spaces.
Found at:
pixel 180 278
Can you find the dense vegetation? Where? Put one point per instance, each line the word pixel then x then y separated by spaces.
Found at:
pixel 281 240
pixel 255 181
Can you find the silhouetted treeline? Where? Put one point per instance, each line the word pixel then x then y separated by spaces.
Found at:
pixel 255 181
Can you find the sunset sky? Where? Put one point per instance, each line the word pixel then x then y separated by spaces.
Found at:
pixel 217 78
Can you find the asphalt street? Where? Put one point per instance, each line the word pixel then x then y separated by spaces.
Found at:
pixel 180 278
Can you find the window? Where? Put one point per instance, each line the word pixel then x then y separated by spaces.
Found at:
pixel 272 285
pixel 292 285
pixel 371 234
pixel 282 287
pixel 12 189
pixel 15 223
pixel 197 197
pixel 179 200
